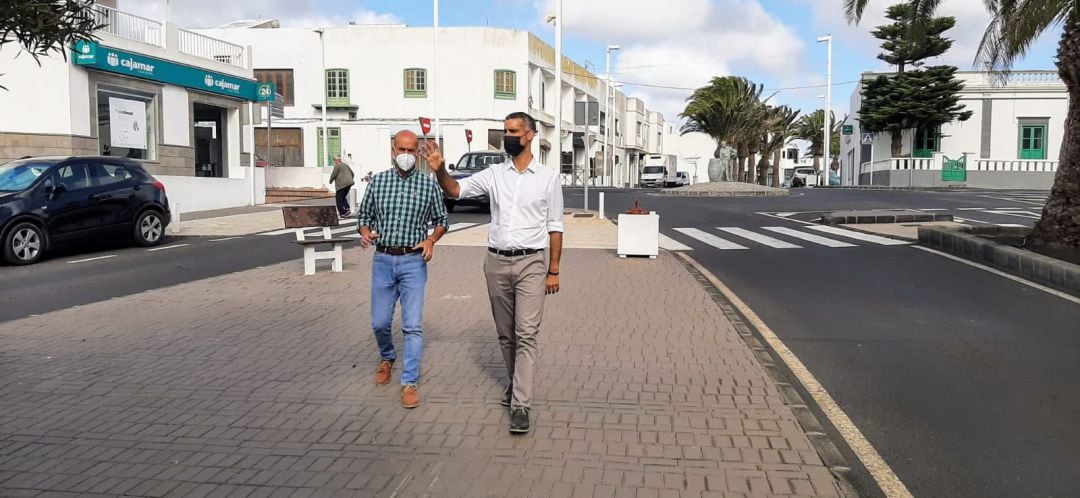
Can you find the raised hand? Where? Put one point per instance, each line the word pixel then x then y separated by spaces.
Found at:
pixel 433 155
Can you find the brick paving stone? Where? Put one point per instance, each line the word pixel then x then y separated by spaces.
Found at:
pixel 258 383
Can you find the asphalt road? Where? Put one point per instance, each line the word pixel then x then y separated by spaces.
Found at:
pixel 964 381
pixel 95 272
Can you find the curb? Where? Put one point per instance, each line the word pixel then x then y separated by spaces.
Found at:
pixel 825 445
pixel 892 218
pixel 683 193
pixel 881 187
pixel 968 244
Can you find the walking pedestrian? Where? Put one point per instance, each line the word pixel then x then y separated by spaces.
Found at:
pixel 394 216
pixel 526 221
pixel 342 178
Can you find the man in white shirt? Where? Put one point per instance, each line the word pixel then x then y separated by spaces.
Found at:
pixel 526 220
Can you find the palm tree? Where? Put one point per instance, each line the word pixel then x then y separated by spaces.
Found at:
pixel 729 109
pixel 811 128
pixel 1014 26
pixel 779 132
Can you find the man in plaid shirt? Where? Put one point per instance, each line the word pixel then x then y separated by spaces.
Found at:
pixel 399 207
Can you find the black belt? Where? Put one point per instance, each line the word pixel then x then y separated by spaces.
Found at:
pixel 397 251
pixel 514 252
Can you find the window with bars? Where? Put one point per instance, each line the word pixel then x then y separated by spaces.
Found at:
pixel 282 80
pixel 505 84
pixel 415 83
pixel 337 87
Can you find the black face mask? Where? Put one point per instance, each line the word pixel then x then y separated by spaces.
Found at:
pixel 513 145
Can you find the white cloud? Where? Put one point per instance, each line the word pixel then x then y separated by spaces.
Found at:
pixel 683 43
pixel 214 13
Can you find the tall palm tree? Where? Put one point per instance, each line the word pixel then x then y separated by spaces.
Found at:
pixel 779 132
pixel 729 109
pixel 811 128
pixel 1014 26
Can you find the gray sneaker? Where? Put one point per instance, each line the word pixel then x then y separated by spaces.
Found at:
pixel 519 421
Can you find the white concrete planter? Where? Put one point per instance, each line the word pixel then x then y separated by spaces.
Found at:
pixel 639 235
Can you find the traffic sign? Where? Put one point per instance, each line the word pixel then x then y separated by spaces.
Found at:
pixel 849 129
pixel 264 92
pixel 468 136
pixel 867 138
pixel 425 125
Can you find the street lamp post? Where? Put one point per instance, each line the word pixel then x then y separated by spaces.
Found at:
pixel 435 74
pixel 608 105
pixel 325 132
pixel 824 179
pixel 558 81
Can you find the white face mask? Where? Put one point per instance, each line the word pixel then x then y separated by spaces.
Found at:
pixel 405 161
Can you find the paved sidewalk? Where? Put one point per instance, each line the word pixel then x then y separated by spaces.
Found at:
pixel 260 384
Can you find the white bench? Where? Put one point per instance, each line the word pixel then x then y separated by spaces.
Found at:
pixel 326 217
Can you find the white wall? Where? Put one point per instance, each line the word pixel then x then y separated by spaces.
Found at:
pixel 177 112
pixel 299 177
pixel 37 99
pixel 203 194
pixel 690 145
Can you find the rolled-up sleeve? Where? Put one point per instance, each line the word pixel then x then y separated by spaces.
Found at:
pixel 366 213
pixel 555 206
pixel 439 218
pixel 476 185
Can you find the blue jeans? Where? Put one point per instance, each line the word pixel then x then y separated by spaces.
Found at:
pixel 403 278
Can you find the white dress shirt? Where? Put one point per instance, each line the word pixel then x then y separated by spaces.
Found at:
pixel 525 207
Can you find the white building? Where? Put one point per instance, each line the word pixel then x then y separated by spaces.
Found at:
pixel 694 150
pixel 1012 139
pixel 179 95
pixel 378 79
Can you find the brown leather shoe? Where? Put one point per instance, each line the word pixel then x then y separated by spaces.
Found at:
pixel 382 375
pixel 409 397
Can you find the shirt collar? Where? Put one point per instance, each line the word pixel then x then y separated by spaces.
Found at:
pixel 531 168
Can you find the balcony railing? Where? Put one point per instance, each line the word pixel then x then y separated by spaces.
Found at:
pixel 129 26
pixel 1015 78
pixel 1018 165
pixel 987 165
pixel 200 45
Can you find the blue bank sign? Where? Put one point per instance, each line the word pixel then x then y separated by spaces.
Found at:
pixel 91 54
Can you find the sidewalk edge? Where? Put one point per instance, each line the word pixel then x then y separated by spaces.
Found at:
pixel 781 365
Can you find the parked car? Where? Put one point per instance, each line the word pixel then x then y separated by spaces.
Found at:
pixel 51 201
pixel 682 179
pixel 803 176
pixel 470 164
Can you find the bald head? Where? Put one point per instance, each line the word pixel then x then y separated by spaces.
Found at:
pixel 404 138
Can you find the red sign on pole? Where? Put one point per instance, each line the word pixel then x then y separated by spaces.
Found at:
pixel 425 124
pixel 468 136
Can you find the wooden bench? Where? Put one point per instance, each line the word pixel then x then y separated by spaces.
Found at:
pixel 303 217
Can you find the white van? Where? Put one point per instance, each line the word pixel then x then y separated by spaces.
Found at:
pixel 660 170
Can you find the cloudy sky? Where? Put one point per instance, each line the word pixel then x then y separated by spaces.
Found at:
pixel 668 46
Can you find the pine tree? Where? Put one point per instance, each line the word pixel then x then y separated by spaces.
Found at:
pixel 907 42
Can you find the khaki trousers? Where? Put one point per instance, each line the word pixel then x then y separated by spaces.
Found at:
pixel 516 287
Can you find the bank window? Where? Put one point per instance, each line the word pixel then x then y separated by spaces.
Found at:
pixel 927 142
pixel 1033 141
pixel 282 80
pixel 337 87
pixel 416 83
pixel 127 124
pixel 505 84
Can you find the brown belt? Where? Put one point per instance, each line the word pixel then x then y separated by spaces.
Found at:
pixel 397 251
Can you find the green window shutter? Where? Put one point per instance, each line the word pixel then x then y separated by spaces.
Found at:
pixel 505 84
pixel 415 83
pixel 337 87
pixel 1033 142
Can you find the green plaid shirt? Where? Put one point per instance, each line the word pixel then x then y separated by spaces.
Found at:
pixel 402 210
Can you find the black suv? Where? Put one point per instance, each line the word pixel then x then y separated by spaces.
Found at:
pixel 49 201
pixel 470 164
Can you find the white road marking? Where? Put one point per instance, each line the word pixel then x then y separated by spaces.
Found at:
pixel 462 226
pixel 1011 225
pixel 709 239
pixel 1017 213
pixel 672 244
pixel 166 248
pixel 771 215
pixel 809 237
pixel 227 238
pixel 293 230
pixel 935 209
pixel 865 237
pixel 785 215
pixel 760 239
pixel 1015 200
pixel 968 220
pixel 1000 273
pixel 886 479
pixel 99 258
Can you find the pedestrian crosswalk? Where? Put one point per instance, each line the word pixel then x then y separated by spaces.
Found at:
pixel 777 237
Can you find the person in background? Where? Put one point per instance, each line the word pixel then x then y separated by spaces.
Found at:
pixel 342 178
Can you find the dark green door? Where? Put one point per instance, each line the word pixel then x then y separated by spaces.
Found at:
pixel 334 142
pixel 1033 141
pixel 927 142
